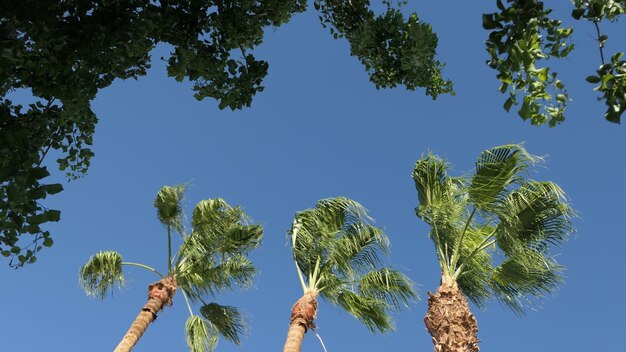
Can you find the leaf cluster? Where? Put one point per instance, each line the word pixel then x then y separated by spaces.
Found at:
pixel 493 231
pixel 339 251
pixel 395 51
pixel 611 80
pixel 521 35
pixel 611 76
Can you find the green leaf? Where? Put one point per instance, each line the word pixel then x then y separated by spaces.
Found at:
pixel 489 22
pixel 54 188
pixel 508 103
pixel 48 242
pixel 53 215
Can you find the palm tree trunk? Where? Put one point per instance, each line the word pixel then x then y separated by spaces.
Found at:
pixel 160 294
pixel 302 315
pixel 449 320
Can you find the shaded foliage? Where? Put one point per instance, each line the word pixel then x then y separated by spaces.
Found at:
pixel 64 52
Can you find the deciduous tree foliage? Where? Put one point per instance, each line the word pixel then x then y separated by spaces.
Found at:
pixel 64 52
pixel 522 35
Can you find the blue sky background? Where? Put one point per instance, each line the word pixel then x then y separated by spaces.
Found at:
pixel 320 129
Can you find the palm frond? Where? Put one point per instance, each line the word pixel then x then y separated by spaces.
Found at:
pixel 477 266
pixel 370 311
pixel 496 169
pixel 101 273
pixel 201 334
pixel 219 228
pixel 169 207
pixel 202 276
pixel 432 181
pixel 536 216
pixel 339 251
pixel 213 256
pixel 525 277
pixel 241 239
pixel 318 230
pixel 442 204
pixel 358 249
pixel 388 285
pixel 497 211
pixel 226 319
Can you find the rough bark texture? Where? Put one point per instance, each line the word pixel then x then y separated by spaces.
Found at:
pixel 450 322
pixel 302 315
pixel 160 294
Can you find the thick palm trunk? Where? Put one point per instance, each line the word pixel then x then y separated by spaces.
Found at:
pixel 302 315
pixel 160 294
pixel 449 320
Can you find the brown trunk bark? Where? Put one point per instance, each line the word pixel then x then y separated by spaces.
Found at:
pixel 160 294
pixel 449 320
pixel 302 315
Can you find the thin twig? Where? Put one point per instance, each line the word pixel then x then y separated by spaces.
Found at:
pixel 600 43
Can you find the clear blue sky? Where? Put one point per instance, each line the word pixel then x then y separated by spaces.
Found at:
pixel 320 129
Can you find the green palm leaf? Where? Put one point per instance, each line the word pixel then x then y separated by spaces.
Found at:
pixel 370 311
pixel 432 182
pixel 339 252
pixel 388 285
pixel 213 256
pixel 201 334
pixel 442 204
pixel 476 265
pixel 524 275
pixel 202 276
pixel 219 228
pixel 226 319
pixel 319 228
pixel 358 249
pixel 168 203
pixel 496 169
pixel 101 273
pixel 534 216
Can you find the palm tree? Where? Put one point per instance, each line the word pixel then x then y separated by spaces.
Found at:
pixel 493 234
pixel 337 255
pixel 212 258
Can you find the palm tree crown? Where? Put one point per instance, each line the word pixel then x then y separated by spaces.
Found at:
pixel 211 258
pixel 338 252
pixel 493 231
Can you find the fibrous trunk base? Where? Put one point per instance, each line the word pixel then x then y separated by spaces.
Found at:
pixel 303 314
pixel 450 322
